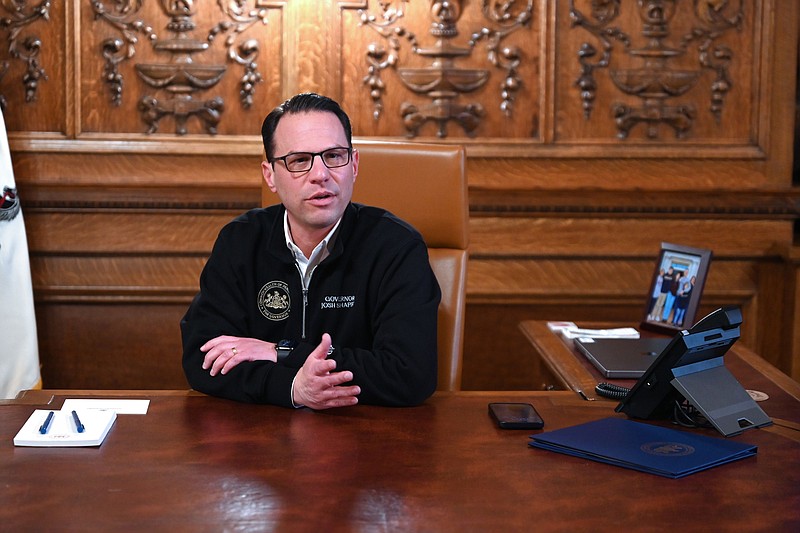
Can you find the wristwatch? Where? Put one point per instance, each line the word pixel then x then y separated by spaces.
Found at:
pixel 284 348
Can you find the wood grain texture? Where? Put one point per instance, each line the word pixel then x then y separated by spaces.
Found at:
pixel 201 463
pixel 600 237
pixel 117 345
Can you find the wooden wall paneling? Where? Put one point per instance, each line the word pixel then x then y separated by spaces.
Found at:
pixel 781 29
pixel 310 65
pixel 496 357
pixel 705 171
pixel 411 69
pixel 631 55
pixel 566 216
pixel 570 279
pixel 174 178
pixel 774 291
pixel 143 277
pixel 619 237
pixel 130 253
pixel 792 316
pixel 779 284
pixel 114 274
pixel 34 67
pixel 110 345
pixel 150 66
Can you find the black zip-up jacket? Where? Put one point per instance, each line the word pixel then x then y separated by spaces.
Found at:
pixel 375 294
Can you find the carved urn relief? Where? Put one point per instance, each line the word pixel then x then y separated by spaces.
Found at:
pixel 180 77
pixel 654 80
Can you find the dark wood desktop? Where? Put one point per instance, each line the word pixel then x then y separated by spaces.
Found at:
pixel 196 463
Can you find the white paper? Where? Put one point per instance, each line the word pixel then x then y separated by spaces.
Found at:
pixel 121 407
pixel 558 327
pixel 614 333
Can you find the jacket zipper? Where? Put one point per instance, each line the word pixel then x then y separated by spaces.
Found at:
pixel 305 297
pixel 305 306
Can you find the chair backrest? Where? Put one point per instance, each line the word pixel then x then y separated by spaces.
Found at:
pixel 425 185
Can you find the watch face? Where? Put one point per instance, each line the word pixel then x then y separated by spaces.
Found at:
pixel 286 344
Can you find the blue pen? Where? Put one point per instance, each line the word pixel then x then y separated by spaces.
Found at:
pixel 78 424
pixel 44 427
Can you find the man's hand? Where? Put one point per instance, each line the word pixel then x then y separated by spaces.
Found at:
pixel 225 352
pixel 318 387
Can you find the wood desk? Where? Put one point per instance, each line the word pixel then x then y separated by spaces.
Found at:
pixel 574 372
pixel 196 463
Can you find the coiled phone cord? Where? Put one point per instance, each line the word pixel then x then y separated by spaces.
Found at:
pixel 609 390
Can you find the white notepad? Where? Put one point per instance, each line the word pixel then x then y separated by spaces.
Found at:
pixel 63 430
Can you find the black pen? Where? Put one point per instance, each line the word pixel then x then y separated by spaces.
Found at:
pixel 78 424
pixel 44 427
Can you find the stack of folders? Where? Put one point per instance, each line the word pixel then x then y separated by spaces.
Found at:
pixel 66 428
pixel 643 447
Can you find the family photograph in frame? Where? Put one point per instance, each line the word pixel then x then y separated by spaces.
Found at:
pixel 676 288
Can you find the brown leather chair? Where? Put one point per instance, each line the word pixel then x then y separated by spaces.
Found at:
pixel 425 185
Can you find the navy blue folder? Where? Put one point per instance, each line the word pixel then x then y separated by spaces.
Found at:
pixel 644 447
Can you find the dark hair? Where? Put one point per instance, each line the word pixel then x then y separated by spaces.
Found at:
pixel 302 103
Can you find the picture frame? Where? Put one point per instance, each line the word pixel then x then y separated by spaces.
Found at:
pixel 672 307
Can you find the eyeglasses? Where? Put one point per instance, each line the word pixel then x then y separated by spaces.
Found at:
pixel 303 161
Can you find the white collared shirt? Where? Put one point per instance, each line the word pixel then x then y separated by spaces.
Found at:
pixel 306 265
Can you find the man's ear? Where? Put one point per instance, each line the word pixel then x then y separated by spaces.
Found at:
pixel 269 175
pixel 355 163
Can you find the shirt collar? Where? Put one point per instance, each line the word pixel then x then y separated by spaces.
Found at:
pixel 320 252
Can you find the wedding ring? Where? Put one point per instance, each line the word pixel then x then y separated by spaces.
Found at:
pixel 234 350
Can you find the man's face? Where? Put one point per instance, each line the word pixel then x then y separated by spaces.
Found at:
pixel 314 199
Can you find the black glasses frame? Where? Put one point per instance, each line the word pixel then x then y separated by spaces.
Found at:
pixel 312 156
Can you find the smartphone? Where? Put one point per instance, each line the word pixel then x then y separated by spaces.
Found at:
pixel 515 415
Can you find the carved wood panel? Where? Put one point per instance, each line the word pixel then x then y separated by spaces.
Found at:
pixel 576 71
pixel 34 66
pixel 658 70
pixel 442 69
pixel 201 69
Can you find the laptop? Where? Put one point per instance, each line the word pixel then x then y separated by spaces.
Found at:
pixel 622 358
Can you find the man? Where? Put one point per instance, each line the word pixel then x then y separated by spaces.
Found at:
pixel 673 292
pixel 317 301
pixel 666 286
pixel 682 301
